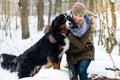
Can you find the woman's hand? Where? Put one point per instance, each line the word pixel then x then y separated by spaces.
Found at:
pixel 52 39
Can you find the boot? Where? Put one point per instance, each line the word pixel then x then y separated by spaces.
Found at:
pixel 72 72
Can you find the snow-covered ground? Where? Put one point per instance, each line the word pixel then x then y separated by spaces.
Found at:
pixel 16 46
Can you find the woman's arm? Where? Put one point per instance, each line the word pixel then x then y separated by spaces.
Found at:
pixel 81 42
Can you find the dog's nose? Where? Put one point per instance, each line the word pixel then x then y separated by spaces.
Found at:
pixel 70 23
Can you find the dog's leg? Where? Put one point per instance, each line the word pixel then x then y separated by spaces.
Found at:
pixel 56 65
pixel 37 68
pixel 25 70
pixel 49 64
pixel 35 71
pixel 32 73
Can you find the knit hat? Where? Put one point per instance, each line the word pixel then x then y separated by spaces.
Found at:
pixel 79 8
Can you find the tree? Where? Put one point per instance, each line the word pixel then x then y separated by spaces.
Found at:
pixel 111 40
pixel 40 10
pixel 71 2
pixel 112 7
pixel 23 5
pixel 50 11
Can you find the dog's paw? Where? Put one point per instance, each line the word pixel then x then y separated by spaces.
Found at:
pixel 48 65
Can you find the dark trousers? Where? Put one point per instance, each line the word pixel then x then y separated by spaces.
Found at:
pixel 79 69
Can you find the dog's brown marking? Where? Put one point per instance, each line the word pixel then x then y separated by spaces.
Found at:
pixel 49 64
pixel 32 73
pixel 56 65
pixel 61 47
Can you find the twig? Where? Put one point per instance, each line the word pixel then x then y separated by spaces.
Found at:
pixel 100 20
pixel 113 65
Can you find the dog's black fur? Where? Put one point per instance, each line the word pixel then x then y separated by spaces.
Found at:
pixel 7 62
pixel 38 54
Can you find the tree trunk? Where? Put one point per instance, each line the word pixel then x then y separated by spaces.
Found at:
pixel 40 10
pixel 71 2
pixel 111 40
pixel 23 4
pixel 50 11
pixel 58 7
pixel 113 14
pixel 91 5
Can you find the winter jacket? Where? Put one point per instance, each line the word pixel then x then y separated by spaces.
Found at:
pixel 81 47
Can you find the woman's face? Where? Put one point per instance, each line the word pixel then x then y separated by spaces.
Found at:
pixel 78 18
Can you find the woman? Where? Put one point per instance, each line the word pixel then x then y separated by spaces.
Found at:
pixel 81 50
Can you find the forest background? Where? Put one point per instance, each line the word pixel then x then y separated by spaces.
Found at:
pixel 19 13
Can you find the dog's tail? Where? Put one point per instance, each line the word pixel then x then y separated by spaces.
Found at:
pixel 8 62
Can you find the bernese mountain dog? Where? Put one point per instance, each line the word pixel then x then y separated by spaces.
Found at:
pixel 42 52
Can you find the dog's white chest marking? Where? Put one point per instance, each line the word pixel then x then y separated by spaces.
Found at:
pixel 66 47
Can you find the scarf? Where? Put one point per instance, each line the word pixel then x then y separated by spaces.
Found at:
pixel 80 30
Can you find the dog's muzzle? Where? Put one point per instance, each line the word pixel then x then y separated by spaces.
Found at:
pixel 68 24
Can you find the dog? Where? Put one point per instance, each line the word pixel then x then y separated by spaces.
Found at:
pixel 41 53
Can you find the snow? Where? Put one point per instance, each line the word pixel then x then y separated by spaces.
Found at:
pixel 16 45
pixel 50 74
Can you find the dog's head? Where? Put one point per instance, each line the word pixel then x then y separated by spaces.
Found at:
pixel 59 27
pixel 60 24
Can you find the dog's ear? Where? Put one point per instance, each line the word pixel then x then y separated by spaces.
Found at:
pixel 55 26
pixel 57 22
